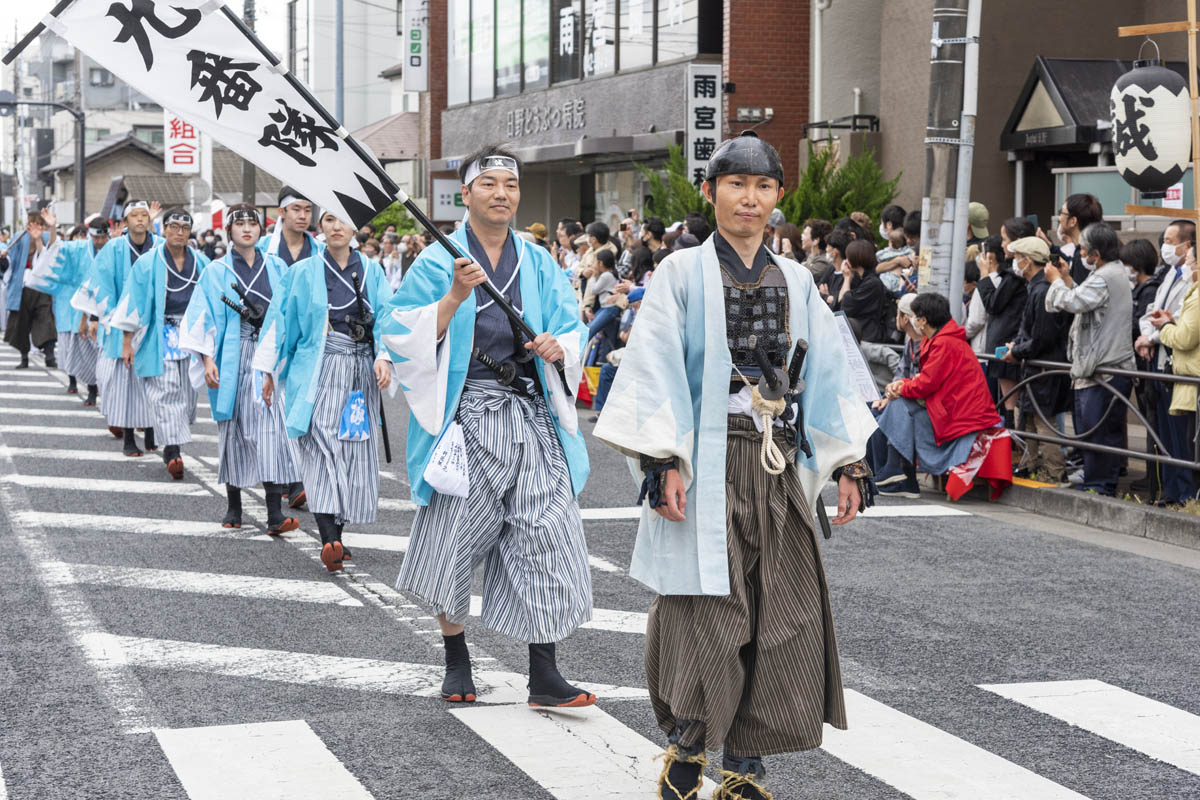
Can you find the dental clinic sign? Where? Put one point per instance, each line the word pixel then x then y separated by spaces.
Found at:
pixel 703 117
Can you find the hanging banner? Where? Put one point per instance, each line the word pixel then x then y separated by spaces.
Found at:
pixel 703 117
pixel 416 46
pixel 199 60
pixel 181 145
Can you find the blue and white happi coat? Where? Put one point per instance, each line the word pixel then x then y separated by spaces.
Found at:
pixel 59 274
pixel 18 254
pixel 670 399
pixel 272 242
pixel 141 310
pixel 102 288
pixel 291 345
pixel 432 373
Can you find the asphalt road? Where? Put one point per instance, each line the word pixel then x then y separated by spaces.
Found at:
pixel 135 664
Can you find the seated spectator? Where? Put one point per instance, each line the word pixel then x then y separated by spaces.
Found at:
pixel 861 294
pixel 771 233
pixel 812 246
pixel 600 308
pixel 940 433
pixel 642 266
pixel 1182 335
pixel 835 252
pixel 791 241
pixel 1103 306
pixel 697 225
pixel 683 241
pixel 893 281
pixel 1041 336
pixel 608 372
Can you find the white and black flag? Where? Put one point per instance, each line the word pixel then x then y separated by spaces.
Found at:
pixel 199 60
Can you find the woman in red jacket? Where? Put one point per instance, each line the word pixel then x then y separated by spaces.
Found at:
pixel 932 419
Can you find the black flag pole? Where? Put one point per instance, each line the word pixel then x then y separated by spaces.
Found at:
pixel 33 34
pixel 500 300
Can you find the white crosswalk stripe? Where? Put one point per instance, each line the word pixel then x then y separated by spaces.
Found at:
pixel 266 761
pixel 81 412
pixel 97 432
pixel 1156 729
pixel 116 524
pixel 95 485
pixel 34 383
pixel 37 397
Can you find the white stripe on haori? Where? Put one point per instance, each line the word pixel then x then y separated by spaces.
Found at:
pixel 172 402
pixel 520 520
pixel 341 477
pixel 253 445
pixel 124 393
pixel 81 359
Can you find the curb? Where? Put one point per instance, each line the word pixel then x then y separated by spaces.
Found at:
pixel 1108 513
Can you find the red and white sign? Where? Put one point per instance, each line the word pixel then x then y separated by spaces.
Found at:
pixel 181 145
pixel 1174 198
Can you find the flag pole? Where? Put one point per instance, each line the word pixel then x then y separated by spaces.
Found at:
pixel 33 34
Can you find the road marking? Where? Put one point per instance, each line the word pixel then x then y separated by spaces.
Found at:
pixel 116 524
pixel 603 619
pixel 581 754
pixel 603 565
pixel 392 504
pixel 263 760
pixel 1156 729
pixel 43 383
pixel 3 791
pixel 90 413
pixel 170 580
pixel 917 510
pixel 43 430
pixel 627 512
pixel 927 763
pixel 59 454
pixel 39 397
pixel 80 484
pixel 329 672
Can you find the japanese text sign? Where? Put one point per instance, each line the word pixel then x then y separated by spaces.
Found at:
pixel 416 46
pixel 704 130
pixel 181 145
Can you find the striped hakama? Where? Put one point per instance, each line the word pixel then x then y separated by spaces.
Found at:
pixel 172 401
pixel 122 395
pixel 62 351
pixel 758 669
pixel 341 477
pixel 80 357
pixel 253 444
pixel 520 520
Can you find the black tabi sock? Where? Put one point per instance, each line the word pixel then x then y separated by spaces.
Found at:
pixel 458 683
pixel 274 493
pixel 130 445
pixel 744 765
pixel 170 452
pixel 327 528
pixel 93 393
pixel 73 385
pixel 150 438
pixel 544 678
pixel 233 511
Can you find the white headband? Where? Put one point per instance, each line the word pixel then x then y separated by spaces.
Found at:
pixel 135 205
pixel 489 163
pixel 291 198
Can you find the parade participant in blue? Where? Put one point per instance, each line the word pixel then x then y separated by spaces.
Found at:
pixel 495 456
pixel 221 326
pixel 125 405
pixel 60 277
pixel 30 312
pixel 291 241
pixel 710 405
pixel 155 296
pixel 317 342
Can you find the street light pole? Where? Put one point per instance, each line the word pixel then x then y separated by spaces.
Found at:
pixel 339 57
pixel 249 190
pixel 80 149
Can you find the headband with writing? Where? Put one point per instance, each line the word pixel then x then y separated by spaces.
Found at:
pixel 489 163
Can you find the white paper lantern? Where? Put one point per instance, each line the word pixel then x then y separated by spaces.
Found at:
pixel 1152 133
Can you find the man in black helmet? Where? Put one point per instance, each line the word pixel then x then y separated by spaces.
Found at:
pixel 710 400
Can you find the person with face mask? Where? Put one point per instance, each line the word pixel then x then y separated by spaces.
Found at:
pixel 1181 332
pixel 1077 212
pixel 1103 306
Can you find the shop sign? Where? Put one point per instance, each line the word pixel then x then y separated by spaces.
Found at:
pixel 447 199
pixel 416 45
pixel 569 115
pixel 181 145
pixel 703 117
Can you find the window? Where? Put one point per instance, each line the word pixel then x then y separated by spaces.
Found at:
pixel 508 47
pixel 151 136
pixel 458 46
pixel 95 134
pixel 637 34
pixel 100 77
pixel 565 51
pixel 677 29
pixel 600 38
pixel 483 50
pixel 536 36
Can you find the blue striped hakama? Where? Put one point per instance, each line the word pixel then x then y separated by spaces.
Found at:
pixel 123 395
pixel 172 401
pixel 79 358
pixel 520 520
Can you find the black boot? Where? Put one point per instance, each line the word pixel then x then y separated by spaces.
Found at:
pixel 331 542
pixel 24 362
pixel 93 393
pixel 546 685
pixel 51 361
pixel 458 686
pixel 683 767
pixel 743 778
pixel 171 457
pixel 233 513
pixel 130 448
pixel 277 523
pixel 150 445
pixel 72 385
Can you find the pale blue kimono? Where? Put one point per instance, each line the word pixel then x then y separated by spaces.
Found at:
pixel 60 276
pixel 102 288
pixel 670 399
pixel 291 344
pixel 18 254
pixel 142 305
pixel 270 244
pixel 432 373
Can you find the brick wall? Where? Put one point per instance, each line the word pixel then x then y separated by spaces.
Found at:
pixel 766 57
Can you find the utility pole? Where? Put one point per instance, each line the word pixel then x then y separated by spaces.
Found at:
pixel 80 150
pixel 943 138
pixel 966 156
pixel 248 189
pixel 291 36
pixel 18 178
pixel 339 57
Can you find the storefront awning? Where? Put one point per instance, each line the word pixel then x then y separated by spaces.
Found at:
pixel 637 146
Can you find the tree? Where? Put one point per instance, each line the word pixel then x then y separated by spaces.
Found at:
pixel 831 191
pixel 672 194
pixel 395 215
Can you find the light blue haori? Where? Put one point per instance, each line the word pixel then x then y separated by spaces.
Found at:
pixel 291 345
pixel 102 288
pixel 141 310
pixel 433 373
pixel 274 244
pixel 211 328
pixel 58 272
pixel 670 399
pixel 18 254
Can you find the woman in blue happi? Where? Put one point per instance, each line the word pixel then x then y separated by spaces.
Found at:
pixel 495 456
pixel 221 326
pixel 149 312
pixel 125 405
pixel 318 343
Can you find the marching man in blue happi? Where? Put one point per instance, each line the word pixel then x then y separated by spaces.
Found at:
pixel 321 345
pixel 734 399
pixel 125 405
pixel 30 312
pixel 221 326
pixel 150 311
pixel 495 455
